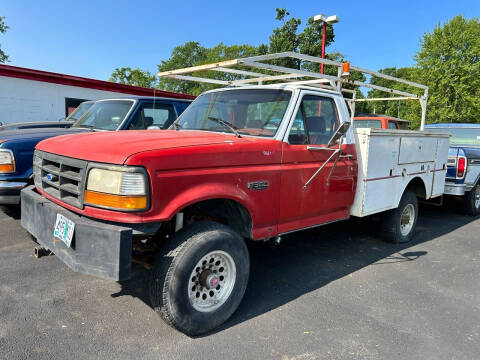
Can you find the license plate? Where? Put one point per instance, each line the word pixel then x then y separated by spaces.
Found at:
pixel 64 229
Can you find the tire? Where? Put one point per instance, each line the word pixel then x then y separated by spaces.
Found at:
pixel 391 229
pixel 471 201
pixel 176 280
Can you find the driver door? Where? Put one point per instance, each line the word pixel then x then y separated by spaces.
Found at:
pixel 322 200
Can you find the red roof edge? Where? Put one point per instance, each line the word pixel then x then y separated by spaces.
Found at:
pixel 70 80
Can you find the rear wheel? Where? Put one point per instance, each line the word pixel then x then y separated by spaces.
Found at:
pixel 471 201
pixel 399 224
pixel 200 278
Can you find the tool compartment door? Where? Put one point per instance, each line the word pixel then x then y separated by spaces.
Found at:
pixel 380 180
pixel 417 150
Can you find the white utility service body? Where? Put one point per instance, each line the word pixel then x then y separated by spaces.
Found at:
pixel 388 160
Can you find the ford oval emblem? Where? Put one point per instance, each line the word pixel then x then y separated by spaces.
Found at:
pixel 51 177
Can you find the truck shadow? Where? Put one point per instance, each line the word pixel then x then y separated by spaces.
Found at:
pixel 309 260
pixel 12 211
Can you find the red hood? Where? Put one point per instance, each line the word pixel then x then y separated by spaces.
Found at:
pixel 114 147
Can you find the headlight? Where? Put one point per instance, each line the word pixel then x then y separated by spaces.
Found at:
pixel 117 189
pixel 7 161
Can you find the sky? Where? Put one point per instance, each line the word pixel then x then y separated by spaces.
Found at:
pixel 92 38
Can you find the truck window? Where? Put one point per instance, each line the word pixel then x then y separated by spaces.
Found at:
pixel 392 125
pixel 461 136
pixel 105 114
pixel 376 124
pixel 149 114
pixel 315 122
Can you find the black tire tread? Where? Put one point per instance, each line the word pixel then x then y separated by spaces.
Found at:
pixel 172 248
pixel 469 203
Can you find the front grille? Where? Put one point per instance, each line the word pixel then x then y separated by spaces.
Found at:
pixel 60 177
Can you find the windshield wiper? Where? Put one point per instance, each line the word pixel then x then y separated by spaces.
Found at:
pixel 91 127
pixel 226 124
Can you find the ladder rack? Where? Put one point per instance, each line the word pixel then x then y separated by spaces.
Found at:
pixel 244 68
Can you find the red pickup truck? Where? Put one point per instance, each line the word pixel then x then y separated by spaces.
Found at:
pixel 245 163
pixel 193 194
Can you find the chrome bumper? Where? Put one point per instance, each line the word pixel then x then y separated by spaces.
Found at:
pixel 10 192
pixel 454 189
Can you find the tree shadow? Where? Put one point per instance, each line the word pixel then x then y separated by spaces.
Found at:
pixel 311 259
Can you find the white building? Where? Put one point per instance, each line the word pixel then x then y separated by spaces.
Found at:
pixel 35 95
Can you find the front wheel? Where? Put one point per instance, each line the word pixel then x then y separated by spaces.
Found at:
pixel 471 201
pixel 399 224
pixel 200 278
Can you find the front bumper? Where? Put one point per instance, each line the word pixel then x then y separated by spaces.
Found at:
pixel 454 189
pixel 98 249
pixel 10 192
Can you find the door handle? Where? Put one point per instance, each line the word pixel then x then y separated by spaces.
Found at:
pixel 317 148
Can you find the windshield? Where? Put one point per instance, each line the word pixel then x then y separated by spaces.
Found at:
pixel 105 115
pixel 252 112
pixel 461 136
pixel 79 111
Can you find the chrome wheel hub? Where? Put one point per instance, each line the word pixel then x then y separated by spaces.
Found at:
pixel 211 281
pixel 407 219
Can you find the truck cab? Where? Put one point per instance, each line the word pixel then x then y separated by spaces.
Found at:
pixel 463 172
pixel 129 113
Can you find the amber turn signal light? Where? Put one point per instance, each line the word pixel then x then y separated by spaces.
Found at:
pixel 117 202
pixel 346 69
pixel 7 168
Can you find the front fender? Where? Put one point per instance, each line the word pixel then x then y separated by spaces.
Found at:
pixel 204 192
pixel 189 187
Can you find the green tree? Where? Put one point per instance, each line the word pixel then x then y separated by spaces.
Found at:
pixel 285 37
pixel 449 63
pixel 189 54
pixel 192 54
pixel 3 30
pixel 136 77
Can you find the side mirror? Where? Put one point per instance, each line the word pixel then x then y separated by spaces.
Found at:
pixel 342 130
pixel 153 127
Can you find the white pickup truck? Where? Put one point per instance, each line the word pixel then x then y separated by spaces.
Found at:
pixel 249 162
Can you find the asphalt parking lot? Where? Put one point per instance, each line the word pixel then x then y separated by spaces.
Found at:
pixel 336 292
